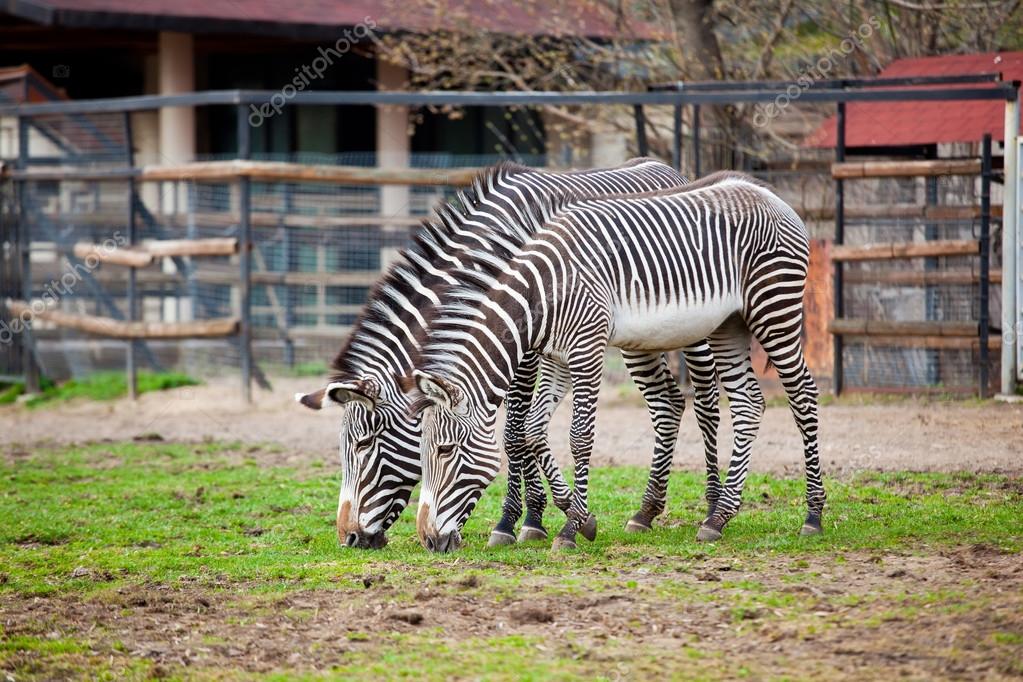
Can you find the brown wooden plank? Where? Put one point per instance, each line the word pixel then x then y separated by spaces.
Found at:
pixel 917 277
pixel 279 171
pixel 937 342
pixel 130 257
pixel 861 327
pixel 120 329
pixel 893 250
pixel 169 248
pixel 899 212
pixel 890 169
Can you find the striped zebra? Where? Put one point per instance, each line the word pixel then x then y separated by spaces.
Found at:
pixel 722 258
pixel 378 442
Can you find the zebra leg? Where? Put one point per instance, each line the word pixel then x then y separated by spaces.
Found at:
pixel 731 348
pixel 706 404
pixel 666 403
pixel 520 394
pixel 786 354
pixel 587 365
pixel 552 387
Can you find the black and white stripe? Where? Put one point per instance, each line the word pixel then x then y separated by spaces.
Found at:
pixel 724 259
pixel 379 443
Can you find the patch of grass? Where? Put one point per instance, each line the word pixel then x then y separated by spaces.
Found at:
pixel 84 519
pixel 106 386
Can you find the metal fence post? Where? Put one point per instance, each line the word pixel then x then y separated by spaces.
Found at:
pixel 28 361
pixel 839 303
pixel 984 292
pixel 642 146
pixel 129 362
pixel 245 256
pixel 697 166
pixel 1012 245
pixel 676 137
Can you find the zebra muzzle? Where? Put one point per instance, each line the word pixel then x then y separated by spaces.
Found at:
pixel 448 542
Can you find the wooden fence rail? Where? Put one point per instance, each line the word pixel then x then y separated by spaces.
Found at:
pixel 121 329
pixel 893 250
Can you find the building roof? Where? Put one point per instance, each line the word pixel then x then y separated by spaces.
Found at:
pixel 318 19
pixel 19 84
pixel 895 124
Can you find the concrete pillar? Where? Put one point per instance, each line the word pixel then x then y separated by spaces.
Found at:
pixel 176 75
pixel 393 139
pixel 608 149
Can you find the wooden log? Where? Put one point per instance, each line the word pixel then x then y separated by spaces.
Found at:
pixel 130 257
pixel 892 250
pixel 899 212
pixel 861 327
pixel 895 169
pixel 279 171
pixel 169 248
pixel 936 342
pixel 120 329
pixel 918 277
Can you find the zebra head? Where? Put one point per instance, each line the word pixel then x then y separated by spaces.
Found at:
pixel 460 458
pixel 374 447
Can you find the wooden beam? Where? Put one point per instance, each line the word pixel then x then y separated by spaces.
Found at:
pixel 279 171
pixel 893 169
pixel 169 248
pixel 936 342
pixel 917 277
pixel 108 326
pixel 130 257
pixel 861 327
pixel 899 212
pixel 892 250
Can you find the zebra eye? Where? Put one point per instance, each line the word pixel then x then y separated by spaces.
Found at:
pixel 364 443
pixel 445 450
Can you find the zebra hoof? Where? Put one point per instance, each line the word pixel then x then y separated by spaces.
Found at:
pixel 531 534
pixel 561 544
pixel 589 529
pixel 708 534
pixel 810 528
pixel 634 526
pixel 499 538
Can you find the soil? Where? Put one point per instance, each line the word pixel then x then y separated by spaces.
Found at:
pixel 857 616
pixel 906 435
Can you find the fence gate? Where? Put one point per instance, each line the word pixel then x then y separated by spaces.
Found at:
pixel 913 279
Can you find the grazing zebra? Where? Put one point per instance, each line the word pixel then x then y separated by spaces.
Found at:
pixel 379 443
pixel 722 258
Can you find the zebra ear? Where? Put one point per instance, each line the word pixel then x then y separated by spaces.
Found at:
pixel 363 391
pixel 438 391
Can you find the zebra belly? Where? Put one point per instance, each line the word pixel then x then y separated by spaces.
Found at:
pixel 669 326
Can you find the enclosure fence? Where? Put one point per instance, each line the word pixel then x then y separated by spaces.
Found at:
pixel 252 265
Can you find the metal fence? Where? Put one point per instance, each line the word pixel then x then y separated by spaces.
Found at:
pixel 312 239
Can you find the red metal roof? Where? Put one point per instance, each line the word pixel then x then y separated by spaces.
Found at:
pixel 891 124
pixel 300 18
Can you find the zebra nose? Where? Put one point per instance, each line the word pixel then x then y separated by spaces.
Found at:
pixel 352 539
pixel 431 543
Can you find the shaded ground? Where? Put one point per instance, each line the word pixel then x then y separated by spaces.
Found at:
pixel 955 615
pixel 890 436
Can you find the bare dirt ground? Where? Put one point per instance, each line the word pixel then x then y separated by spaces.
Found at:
pixel 858 616
pixel 892 435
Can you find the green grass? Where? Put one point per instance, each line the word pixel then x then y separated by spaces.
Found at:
pixel 158 512
pixel 94 523
pixel 98 386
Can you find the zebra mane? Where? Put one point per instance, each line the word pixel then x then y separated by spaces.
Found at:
pixel 451 233
pixel 715 178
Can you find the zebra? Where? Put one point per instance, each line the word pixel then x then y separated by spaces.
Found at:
pixel 379 444
pixel 723 258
